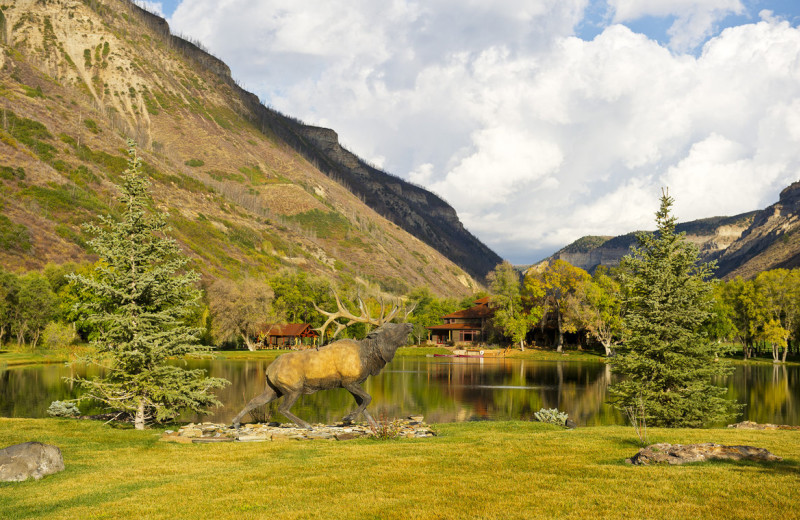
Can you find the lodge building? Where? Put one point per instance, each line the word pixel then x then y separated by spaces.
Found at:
pixel 289 335
pixel 468 325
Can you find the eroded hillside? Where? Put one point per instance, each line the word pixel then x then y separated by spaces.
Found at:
pixel 78 77
pixel 771 241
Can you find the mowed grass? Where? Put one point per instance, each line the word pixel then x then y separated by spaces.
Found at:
pixel 496 470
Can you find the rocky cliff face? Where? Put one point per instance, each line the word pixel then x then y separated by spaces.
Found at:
pixel 414 209
pixel 771 241
pixel 78 77
pixel 411 207
pixel 712 236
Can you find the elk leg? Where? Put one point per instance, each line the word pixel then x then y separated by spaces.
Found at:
pixel 287 403
pixel 362 399
pixel 267 396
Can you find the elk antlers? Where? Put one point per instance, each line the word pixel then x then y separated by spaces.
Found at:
pixel 342 312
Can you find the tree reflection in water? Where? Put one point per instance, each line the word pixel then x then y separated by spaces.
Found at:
pixel 441 389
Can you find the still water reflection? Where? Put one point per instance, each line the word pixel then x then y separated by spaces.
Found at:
pixel 443 390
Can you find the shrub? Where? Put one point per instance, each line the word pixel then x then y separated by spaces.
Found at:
pixel 91 124
pixel 9 173
pixel 30 133
pixel 63 409
pixel 194 163
pixel 68 233
pixel 14 236
pixel 33 92
pixel 325 224
pixel 64 199
pixel 385 430
pixel 57 335
pixel 254 174
pixel 223 176
pixel 150 104
pixel 551 416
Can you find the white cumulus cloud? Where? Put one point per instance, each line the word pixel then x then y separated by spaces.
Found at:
pixel 694 19
pixel 535 136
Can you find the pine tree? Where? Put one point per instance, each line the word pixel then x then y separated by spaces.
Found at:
pixel 140 297
pixel 666 363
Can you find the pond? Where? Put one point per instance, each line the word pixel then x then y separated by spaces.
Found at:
pixel 441 389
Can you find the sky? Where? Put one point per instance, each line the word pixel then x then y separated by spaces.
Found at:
pixel 539 121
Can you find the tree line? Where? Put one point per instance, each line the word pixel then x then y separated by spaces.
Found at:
pixel 757 317
pixel 45 309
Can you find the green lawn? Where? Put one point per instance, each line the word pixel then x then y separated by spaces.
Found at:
pixel 501 470
pixel 537 354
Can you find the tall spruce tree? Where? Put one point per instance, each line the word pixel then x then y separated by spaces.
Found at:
pixel 666 363
pixel 140 296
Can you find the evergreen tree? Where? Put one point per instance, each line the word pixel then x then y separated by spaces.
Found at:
pixel 666 363
pixel 139 299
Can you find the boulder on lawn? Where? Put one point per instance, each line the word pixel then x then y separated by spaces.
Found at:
pixel 681 453
pixel 29 459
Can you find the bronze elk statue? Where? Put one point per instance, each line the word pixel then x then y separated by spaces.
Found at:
pixel 342 364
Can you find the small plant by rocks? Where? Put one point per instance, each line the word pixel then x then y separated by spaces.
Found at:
pixel 63 409
pixel 552 416
pixel 385 429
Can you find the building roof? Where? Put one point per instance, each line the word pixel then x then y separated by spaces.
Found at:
pixel 455 326
pixel 478 311
pixel 292 329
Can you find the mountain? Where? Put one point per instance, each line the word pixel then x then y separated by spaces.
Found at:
pixel 246 189
pixel 771 241
pixel 712 236
pixel 418 211
pixel 743 245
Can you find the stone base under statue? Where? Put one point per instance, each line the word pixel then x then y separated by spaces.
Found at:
pixel 410 428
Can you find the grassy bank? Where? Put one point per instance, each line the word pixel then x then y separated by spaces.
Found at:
pixel 530 354
pixel 471 470
pixel 11 358
pixel 269 355
pixel 760 361
pixel 537 354
pixel 258 355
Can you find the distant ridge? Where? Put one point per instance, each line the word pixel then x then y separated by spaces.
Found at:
pixel 713 237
